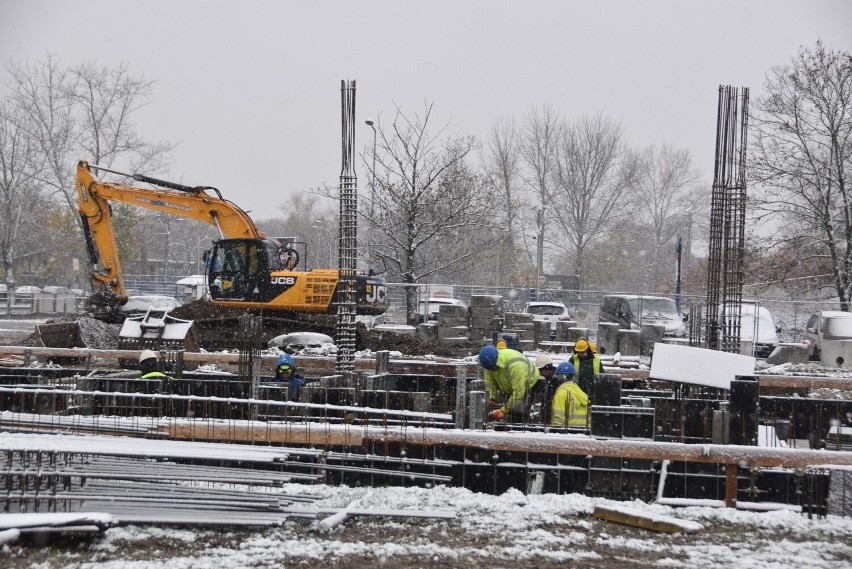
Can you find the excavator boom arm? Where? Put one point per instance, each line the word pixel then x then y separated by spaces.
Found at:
pixel 95 196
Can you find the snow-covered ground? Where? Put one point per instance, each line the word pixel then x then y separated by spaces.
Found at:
pixel 511 530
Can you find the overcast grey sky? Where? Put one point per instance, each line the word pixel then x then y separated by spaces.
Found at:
pixel 251 90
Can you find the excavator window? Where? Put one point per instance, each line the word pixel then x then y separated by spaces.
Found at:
pixel 239 270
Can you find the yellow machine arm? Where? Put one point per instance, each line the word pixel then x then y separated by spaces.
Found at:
pixel 95 197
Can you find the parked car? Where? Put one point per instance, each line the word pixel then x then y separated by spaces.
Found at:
pixel 428 309
pixel 630 311
pixel 551 312
pixel 827 325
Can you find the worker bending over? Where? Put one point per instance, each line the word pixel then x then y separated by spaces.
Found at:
pixel 511 375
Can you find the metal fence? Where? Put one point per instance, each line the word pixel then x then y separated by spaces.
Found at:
pixel 790 315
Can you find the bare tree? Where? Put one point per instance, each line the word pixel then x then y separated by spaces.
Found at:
pixel 802 155
pixel 427 201
pixel 503 168
pixel 105 100
pixel 83 113
pixel 541 128
pixel 593 171
pixel 18 192
pixel 40 96
pixel 667 194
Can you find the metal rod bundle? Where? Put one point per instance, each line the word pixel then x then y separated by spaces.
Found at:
pixel 348 240
pixel 727 222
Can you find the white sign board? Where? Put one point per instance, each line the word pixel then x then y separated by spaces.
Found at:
pixel 698 365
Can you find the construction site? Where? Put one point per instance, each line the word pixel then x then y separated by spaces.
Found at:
pixel 675 422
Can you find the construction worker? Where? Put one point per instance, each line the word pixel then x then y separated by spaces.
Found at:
pixel 285 372
pixel 511 375
pixel 149 365
pixel 546 385
pixel 570 407
pixel 588 365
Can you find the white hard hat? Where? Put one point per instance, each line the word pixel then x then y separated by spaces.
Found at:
pixel 147 355
pixel 543 360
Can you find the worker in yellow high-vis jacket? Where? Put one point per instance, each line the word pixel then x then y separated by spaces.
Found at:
pixel 508 374
pixel 570 405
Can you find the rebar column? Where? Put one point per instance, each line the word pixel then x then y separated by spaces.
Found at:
pixel 348 236
pixel 251 332
pixel 727 222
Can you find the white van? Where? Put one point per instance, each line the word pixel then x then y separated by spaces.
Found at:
pixel 757 329
pixel 827 325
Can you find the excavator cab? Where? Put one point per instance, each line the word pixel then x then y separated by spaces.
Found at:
pixel 240 269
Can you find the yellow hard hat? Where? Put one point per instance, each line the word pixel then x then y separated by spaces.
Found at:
pixel 593 346
pixel 501 344
pixel 581 346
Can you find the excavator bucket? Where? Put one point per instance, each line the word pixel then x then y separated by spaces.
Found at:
pixel 156 330
pixel 61 335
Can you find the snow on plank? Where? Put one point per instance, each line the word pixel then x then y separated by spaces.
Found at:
pixel 645 520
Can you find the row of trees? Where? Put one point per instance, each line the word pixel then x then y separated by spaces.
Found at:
pixel 50 117
pixel 543 193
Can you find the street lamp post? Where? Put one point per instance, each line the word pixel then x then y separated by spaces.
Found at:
pixel 539 250
pixel 372 125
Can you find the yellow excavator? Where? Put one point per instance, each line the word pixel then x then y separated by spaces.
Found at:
pixel 245 269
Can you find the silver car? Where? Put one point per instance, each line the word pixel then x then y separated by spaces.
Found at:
pixel 551 312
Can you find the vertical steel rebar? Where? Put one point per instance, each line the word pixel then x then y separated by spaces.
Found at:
pixel 727 222
pixel 348 236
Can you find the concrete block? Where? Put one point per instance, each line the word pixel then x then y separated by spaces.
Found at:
pixel 541 332
pixel 577 333
pixel 486 322
pixel 629 342
pixel 445 332
pixel 449 320
pixel 562 327
pixel 650 334
pixel 607 337
pixel 428 331
pixel 794 353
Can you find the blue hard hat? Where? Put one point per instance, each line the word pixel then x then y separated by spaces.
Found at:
pixel 488 357
pixel 565 368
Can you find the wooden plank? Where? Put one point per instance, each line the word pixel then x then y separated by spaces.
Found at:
pixel 730 485
pixel 319 434
pixel 644 520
